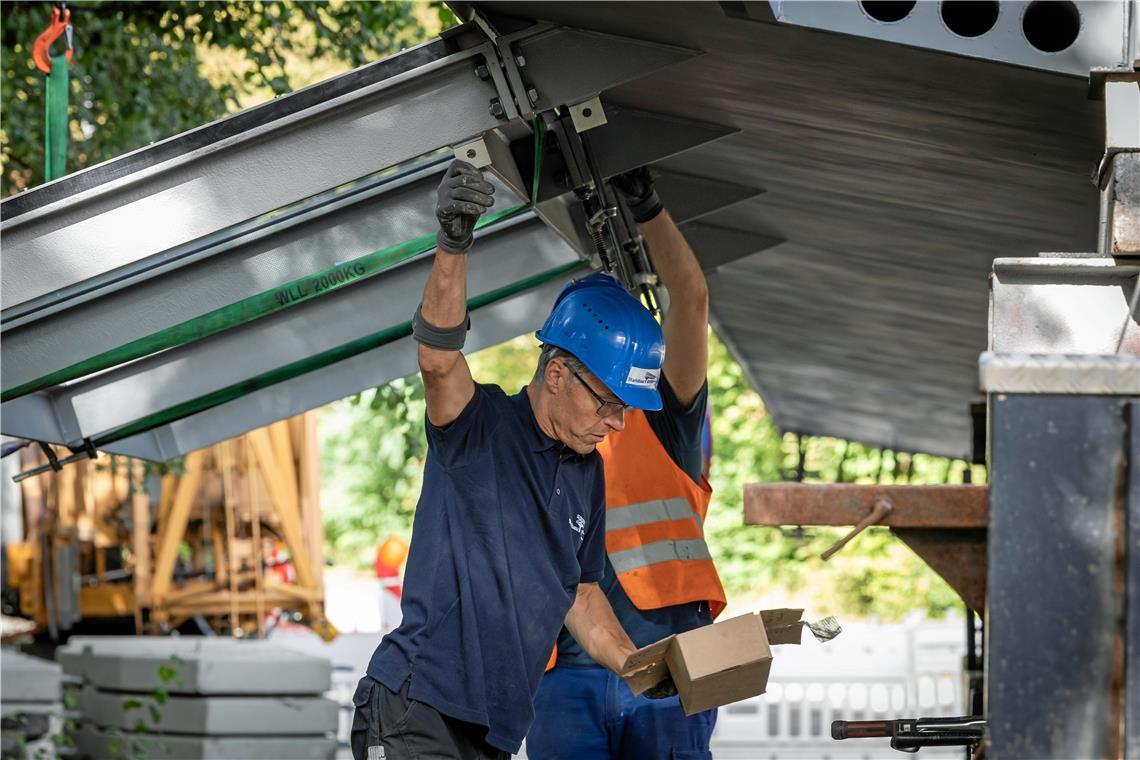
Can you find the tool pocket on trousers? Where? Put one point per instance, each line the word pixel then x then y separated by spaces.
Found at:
pixel 365 719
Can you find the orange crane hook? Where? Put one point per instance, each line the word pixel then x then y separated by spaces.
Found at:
pixel 59 26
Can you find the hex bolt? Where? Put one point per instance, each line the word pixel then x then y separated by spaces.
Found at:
pixel 521 61
pixel 532 95
pixel 483 72
pixel 497 108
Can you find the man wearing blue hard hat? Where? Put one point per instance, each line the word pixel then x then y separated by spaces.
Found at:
pixel 659 579
pixel 508 542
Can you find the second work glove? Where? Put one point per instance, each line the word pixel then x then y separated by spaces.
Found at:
pixel 664 689
pixel 462 198
pixel 637 188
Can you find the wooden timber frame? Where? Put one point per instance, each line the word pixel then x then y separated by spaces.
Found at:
pixel 231 533
pixel 945 525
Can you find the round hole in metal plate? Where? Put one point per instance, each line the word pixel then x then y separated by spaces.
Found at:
pixel 887 11
pixel 969 18
pixel 1051 26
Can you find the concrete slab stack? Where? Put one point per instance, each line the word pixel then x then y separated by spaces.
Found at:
pixel 199 699
pixel 32 707
pixel 349 654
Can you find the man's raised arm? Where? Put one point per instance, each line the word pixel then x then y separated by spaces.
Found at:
pixel 686 322
pixel 440 324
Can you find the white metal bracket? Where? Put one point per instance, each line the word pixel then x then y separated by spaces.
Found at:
pixel 587 114
pixel 474 152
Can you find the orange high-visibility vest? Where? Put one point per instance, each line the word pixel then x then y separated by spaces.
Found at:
pixel 654 522
pixel 654 518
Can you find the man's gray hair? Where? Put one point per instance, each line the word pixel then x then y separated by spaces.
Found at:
pixel 554 352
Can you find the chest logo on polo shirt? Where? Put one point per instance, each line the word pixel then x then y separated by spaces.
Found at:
pixel 578 525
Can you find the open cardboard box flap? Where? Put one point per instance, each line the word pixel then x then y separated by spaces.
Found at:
pixel 717 664
pixel 783 626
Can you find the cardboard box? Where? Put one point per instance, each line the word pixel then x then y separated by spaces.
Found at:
pixel 718 664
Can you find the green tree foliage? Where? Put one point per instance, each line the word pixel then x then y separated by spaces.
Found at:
pixel 144 71
pixel 372 455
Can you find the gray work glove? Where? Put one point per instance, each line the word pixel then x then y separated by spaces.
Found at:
pixel 664 689
pixel 462 198
pixel 636 186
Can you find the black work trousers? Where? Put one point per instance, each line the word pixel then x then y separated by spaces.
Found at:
pixel 387 725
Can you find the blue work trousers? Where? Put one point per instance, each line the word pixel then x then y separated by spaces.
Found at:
pixel 590 714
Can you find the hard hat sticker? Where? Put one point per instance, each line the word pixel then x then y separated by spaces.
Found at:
pixel 642 378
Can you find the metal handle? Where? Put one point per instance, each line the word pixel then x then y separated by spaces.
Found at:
pixel 882 507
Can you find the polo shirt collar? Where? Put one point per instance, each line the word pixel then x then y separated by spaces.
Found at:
pixel 539 441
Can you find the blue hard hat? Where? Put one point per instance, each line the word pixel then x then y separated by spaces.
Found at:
pixel 613 334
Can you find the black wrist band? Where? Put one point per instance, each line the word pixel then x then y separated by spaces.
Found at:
pixel 646 209
pixel 442 338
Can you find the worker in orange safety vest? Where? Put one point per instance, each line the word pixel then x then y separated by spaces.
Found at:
pixel 660 578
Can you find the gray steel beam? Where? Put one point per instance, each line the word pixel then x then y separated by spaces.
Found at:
pixel 521 314
pixel 94 232
pixel 513 251
pixel 331 228
pixel 712 244
pixel 237 171
pixel 386 181
pixel 345 225
pixel 489 326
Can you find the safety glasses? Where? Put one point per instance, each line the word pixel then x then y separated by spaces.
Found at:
pixel 605 408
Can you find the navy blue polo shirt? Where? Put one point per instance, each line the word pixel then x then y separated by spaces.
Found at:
pixel 509 522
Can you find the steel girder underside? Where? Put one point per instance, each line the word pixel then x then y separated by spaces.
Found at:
pixel 898 161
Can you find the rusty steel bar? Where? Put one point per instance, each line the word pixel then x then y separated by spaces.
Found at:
pixel 915 506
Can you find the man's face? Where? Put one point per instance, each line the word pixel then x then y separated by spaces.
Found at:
pixel 590 411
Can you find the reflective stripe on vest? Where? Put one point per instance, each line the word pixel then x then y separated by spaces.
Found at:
pixel 657 510
pixel 656 553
